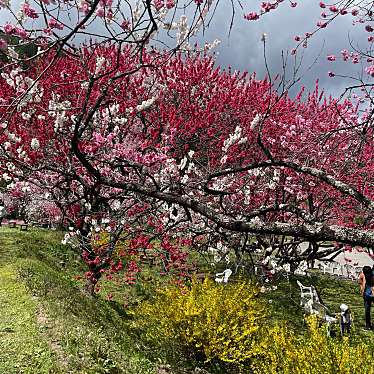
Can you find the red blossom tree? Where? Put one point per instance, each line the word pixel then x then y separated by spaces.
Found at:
pixel 140 143
pixel 188 149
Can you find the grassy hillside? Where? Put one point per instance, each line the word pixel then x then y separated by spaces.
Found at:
pixel 48 325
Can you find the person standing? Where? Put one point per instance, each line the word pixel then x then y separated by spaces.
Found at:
pixel 2 212
pixel 365 281
pixel 345 319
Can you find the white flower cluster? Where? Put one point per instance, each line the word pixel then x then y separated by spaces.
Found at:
pixel 100 61
pixel 256 121
pixel 2 211
pixel 6 177
pixel 247 192
pixel 183 163
pixel 168 172
pixel 102 225
pixel 143 106
pixel 175 212
pixel 255 220
pixel 58 110
pixel 146 104
pixel 170 25
pixel 116 205
pixel 22 153
pixel 160 16
pixel 26 116
pixel 302 268
pixel 10 166
pixel 12 137
pixel 112 114
pixel 203 13
pixel 24 86
pixel 286 268
pixel 273 262
pixel 85 85
pixel 35 144
pixel 217 252
pixel 236 137
pixel 264 289
pixel 4 4
pixel 182 30
pixel 221 183
pixel 70 238
pixel 10 78
pixel 23 186
pixel 275 180
pixel 12 53
pixel 190 168
pixel 137 12
pixel 214 44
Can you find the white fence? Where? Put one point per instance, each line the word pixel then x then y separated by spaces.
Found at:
pixel 346 271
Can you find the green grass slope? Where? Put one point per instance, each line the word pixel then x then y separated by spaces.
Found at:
pixel 47 325
pixel 23 349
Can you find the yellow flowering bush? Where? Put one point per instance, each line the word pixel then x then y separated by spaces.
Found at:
pixel 210 320
pixel 315 352
pixel 230 325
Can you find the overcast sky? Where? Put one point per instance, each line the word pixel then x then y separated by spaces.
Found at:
pixel 243 49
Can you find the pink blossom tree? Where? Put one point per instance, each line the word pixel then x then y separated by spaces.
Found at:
pixel 130 139
pixel 185 147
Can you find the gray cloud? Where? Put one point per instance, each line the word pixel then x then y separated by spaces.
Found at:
pixel 243 49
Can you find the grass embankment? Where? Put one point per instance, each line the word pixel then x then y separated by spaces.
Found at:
pixel 22 349
pixel 47 325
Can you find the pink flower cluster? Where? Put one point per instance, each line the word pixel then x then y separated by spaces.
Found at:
pixel 345 54
pixel 370 70
pixel 252 16
pixel 354 56
pixel 28 11
pixel 267 7
pixel 159 4
pixel 3 44
pixel 14 30
pixel 54 24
